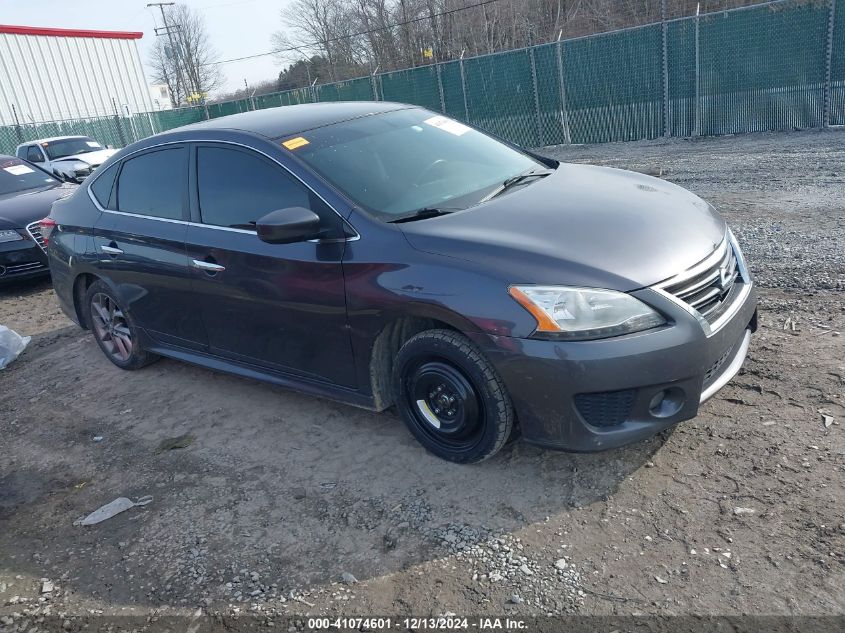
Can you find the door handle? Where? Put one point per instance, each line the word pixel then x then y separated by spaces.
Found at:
pixel 111 250
pixel 208 267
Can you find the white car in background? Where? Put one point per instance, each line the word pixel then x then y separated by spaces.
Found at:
pixel 70 158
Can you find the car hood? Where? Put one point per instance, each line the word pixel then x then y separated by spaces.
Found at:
pixel 92 158
pixel 20 208
pixel 581 226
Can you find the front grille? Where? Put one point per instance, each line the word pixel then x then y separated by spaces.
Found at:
pixel 17 269
pixel 34 231
pixel 605 408
pixel 707 285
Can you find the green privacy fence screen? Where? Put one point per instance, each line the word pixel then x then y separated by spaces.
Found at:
pixel 768 67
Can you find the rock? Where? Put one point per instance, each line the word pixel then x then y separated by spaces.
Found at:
pixel 299 493
pixel 46 586
pixel 348 578
pixel 744 511
pixel 662 581
pixel 525 569
pixel 516 599
pixel 560 563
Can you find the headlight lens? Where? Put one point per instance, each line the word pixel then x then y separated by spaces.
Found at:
pixel 585 313
pixel 10 236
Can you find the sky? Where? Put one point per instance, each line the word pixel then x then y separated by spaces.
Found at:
pixel 237 27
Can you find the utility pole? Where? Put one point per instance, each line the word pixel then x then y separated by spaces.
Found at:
pixel 166 30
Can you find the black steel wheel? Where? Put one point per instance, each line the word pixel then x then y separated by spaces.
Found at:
pixel 451 398
pixel 113 329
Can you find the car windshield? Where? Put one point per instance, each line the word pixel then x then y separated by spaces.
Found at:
pixel 17 175
pixel 70 146
pixel 400 163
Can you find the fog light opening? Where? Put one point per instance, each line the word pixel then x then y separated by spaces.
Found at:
pixel 666 403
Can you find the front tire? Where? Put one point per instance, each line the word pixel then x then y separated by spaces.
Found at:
pixel 451 398
pixel 113 329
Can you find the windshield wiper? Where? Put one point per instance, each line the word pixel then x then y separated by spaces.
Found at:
pixel 422 214
pixel 517 180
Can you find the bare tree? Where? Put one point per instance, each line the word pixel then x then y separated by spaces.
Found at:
pixel 188 67
pixel 353 37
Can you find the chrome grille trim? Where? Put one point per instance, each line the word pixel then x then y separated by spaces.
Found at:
pixel 16 269
pixel 34 230
pixel 689 289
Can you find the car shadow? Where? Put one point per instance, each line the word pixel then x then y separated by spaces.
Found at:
pixel 293 486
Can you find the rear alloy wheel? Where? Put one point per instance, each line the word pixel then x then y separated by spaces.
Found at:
pixel 451 397
pixel 113 330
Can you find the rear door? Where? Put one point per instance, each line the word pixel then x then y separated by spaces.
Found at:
pixel 140 241
pixel 278 306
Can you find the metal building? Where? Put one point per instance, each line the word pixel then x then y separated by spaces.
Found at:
pixel 49 74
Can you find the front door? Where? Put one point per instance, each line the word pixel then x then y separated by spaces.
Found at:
pixel 279 306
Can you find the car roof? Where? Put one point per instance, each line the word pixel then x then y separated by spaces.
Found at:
pixel 287 120
pixel 52 139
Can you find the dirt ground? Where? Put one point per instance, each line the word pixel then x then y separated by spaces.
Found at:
pixel 281 498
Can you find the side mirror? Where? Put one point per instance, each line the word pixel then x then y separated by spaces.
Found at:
pixel 286 226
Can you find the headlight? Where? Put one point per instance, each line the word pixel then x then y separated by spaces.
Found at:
pixel 585 313
pixel 10 236
pixel 80 166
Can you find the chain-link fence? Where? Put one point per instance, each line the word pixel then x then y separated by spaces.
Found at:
pixel 766 67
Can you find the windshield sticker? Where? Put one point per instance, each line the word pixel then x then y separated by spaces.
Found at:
pixel 92 143
pixel 294 143
pixel 19 170
pixel 448 125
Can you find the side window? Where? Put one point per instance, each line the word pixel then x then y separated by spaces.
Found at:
pixel 34 155
pixel 237 188
pixel 103 186
pixel 21 153
pixel 154 184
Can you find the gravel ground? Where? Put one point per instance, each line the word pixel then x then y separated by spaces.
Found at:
pixel 285 504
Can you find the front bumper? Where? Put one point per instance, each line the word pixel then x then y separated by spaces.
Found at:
pixel 596 395
pixel 22 259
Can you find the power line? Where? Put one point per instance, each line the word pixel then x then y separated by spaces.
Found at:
pixel 346 37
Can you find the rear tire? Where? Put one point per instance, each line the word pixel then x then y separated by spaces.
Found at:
pixel 451 398
pixel 113 329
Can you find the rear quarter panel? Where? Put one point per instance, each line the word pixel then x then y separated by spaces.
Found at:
pixel 70 250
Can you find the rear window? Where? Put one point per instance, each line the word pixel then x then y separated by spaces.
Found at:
pixel 103 185
pixel 17 175
pixel 154 184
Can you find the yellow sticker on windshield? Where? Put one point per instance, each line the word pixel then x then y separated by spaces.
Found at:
pixel 295 142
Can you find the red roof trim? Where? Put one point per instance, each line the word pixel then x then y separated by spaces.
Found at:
pixel 51 32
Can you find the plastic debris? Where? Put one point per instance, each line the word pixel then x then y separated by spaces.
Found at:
pixel 11 345
pixel 826 418
pixel 103 513
pixel 741 511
